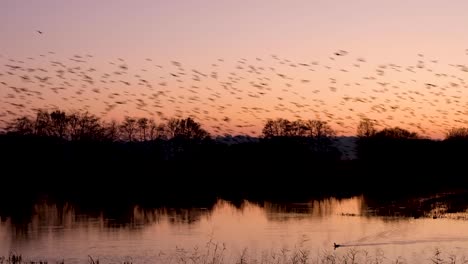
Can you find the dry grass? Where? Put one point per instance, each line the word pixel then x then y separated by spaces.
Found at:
pixel 215 253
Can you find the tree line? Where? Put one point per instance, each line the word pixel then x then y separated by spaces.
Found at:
pixel 180 158
pixel 85 126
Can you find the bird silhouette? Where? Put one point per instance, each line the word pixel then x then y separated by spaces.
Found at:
pixel 294 88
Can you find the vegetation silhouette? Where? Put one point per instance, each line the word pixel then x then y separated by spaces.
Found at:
pixel 215 252
pixel 79 156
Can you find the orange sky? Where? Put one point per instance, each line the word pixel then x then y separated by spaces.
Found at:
pixel 381 76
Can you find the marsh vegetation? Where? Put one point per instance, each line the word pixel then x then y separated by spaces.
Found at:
pixel 215 253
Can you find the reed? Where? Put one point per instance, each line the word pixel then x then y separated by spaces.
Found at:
pixel 216 253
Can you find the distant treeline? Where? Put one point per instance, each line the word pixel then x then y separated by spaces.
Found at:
pixel 79 155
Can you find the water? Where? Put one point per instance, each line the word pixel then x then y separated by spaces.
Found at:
pixel 410 231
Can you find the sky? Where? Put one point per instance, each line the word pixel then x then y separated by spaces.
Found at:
pixel 228 37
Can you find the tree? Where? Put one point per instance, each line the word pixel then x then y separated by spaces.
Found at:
pixel 457 133
pixel 186 129
pixel 58 123
pixel 161 131
pixel 143 126
pixel 128 128
pixel 111 131
pixel 366 128
pixel 155 131
pixel 315 134
pixel 171 127
pixel 21 126
pixel 319 129
pixel 397 133
pixel 272 128
pixel 90 127
pixel 296 128
pixel 284 128
pixel 84 126
pixel 321 134
pixel 42 123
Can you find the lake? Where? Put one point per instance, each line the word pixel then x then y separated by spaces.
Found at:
pixel 410 230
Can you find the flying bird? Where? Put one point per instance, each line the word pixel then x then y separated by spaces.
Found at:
pixel 38 31
pixel 341 53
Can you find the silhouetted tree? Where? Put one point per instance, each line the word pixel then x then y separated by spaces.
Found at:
pixel 274 128
pixel 143 127
pixel 152 129
pixel 396 133
pixel 89 127
pixel 85 126
pixel 161 131
pixel 319 129
pixel 284 128
pixel 457 134
pixel 58 123
pixel 42 123
pixel 299 128
pixel 186 129
pixel 366 128
pixel 21 126
pixel 111 131
pixel 155 131
pixel 303 138
pixel 171 127
pixel 74 125
pixel 128 128
pixel 296 128
pixel 322 135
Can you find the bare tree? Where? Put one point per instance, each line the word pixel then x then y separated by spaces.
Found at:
pixel 171 127
pixel 42 123
pixel 271 129
pixel 457 133
pixel 397 133
pixel 128 128
pixel 58 123
pixel 296 128
pixel 185 128
pixel 74 125
pixel 21 126
pixel 278 128
pixel 90 127
pixel 190 129
pixel 285 128
pixel 319 129
pixel 143 127
pixel 153 131
pixel 161 131
pixel 366 128
pixel 111 131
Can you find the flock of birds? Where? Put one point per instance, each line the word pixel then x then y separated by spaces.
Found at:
pixel 237 97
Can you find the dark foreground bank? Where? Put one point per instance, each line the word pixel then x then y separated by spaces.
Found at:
pixel 178 169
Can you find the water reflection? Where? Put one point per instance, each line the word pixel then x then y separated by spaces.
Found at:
pixel 58 231
pixel 44 217
pixel 316 208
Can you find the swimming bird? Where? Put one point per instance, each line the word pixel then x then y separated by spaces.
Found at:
pixel 335 245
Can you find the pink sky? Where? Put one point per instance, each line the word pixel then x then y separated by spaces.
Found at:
pixel 198 33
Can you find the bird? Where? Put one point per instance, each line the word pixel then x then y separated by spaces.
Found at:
pixel 341 53
pixel 38 31
pixel 335 245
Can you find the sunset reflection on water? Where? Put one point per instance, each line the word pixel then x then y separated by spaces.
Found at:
pixel 143 235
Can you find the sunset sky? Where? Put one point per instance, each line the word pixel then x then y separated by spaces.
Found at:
pixel 283 54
